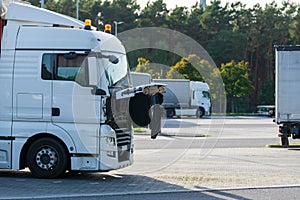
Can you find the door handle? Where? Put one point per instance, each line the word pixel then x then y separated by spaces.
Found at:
pixel 55 111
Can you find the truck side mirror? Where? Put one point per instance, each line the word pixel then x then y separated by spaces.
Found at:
pixel 98 91
pixel 113 59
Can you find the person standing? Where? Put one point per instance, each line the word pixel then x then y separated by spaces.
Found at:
pixel 155 114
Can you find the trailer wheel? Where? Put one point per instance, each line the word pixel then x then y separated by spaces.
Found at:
pixel 200 113
pixel 284 141
pixel 47 158
pixel 170 113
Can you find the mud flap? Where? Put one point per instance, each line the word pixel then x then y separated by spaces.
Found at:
pixel 140 102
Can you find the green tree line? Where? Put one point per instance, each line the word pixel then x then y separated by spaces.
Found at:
pixel 233 35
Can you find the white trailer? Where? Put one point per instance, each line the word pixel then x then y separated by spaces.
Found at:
pixel 139 78
pixel 65 100
pixel 287 92
pixel 185 97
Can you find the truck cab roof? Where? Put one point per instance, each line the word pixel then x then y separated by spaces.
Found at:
pixel 27 13
pixel 32 28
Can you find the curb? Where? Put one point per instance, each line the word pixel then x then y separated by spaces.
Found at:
pixel 279 146
pixel 182 135
pixel 170 134
pixel 173 134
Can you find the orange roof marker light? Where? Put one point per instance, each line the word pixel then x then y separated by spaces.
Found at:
pixel 107 28
pixel 88 24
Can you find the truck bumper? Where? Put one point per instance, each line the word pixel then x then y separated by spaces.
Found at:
pixel 106 161
pixel 115 151
pixel 289 130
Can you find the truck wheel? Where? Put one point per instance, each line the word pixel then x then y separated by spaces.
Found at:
pixel 170 113
pixel 284 141
pixel 199 113
pixel 47 158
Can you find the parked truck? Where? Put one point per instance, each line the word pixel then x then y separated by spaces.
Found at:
pixel 65 99
pixel 185 97
pixel 287 92
pixel 139 78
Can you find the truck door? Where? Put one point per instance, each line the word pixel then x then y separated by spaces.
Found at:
pixel 6 82
pixel 140 103
pixel 74 108
pixel 205 98
pixel 6 71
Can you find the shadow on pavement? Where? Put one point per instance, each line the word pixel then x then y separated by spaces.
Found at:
pixel 179 123
pixel 294 148
pixel 21 185
pixel 217 194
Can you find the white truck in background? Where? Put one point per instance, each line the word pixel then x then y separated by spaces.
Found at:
pixel 182 96
pixel 185 97
pixel 287 92
pixel 139 78
pixel 65 99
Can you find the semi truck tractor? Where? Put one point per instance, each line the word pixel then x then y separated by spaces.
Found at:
pixel 287 92
pixel 65 104
pixel 185 97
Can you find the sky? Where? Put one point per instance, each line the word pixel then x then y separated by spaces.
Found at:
pixel 188 3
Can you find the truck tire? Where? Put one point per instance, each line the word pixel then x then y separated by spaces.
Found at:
pixel 47 158
pixel 200 112
pixel 284 141
pixel 170 113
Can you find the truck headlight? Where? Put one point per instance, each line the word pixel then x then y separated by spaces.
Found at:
pixel 110 141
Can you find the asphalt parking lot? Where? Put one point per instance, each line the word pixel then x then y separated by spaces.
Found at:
pixel 232 156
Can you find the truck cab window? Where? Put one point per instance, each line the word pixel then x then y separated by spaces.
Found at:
pixel 71 69
pixel 205 94
pixel 47 65
pixel 56 66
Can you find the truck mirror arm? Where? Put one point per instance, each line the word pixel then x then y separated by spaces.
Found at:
pixel 113 59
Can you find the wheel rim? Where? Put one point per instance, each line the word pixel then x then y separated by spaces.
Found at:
pixel 46 158
pixel 199 113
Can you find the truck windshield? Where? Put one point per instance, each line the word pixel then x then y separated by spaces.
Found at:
pixel 116 74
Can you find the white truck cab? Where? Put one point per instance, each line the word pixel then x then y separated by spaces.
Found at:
pixel 185 97
pixel 65 95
